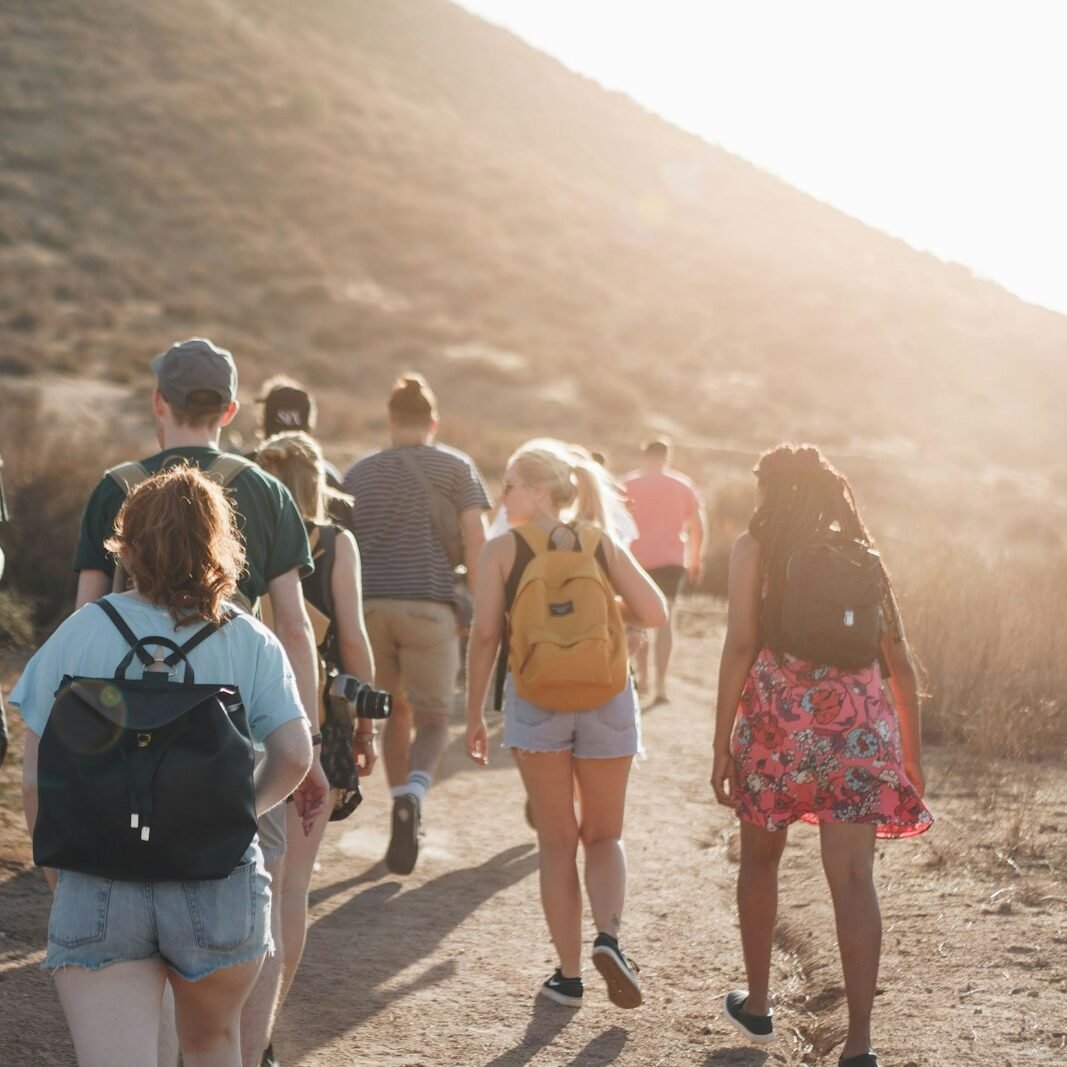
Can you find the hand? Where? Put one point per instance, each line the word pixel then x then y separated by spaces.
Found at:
pixel 478 742
pixel 365 752
pixel 913 769
pixel 311 795
pixel 722 775
pixel 636 639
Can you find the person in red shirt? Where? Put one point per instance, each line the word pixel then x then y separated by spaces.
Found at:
pixel 669 514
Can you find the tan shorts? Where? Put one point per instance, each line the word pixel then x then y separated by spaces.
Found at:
pixel 416 651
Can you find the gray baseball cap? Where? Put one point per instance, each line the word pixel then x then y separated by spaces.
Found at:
pixel 196 366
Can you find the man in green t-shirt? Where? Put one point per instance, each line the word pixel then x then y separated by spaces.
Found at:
pixel 195 396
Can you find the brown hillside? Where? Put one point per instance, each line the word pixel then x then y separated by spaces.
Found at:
pixel 346 188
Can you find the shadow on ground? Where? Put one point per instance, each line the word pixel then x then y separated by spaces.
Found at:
pixel 379 933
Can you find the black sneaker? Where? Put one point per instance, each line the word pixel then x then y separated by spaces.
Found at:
pixel 620 972
pixel 757 1028
pixel 403 848
pixel 864 1059
pixel 566 991
pixel 269 1059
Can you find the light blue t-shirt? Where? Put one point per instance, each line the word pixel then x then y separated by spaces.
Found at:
pixel 88 645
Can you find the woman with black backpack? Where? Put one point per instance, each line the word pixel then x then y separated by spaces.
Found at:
pixel 334 598
pixel 141 790
pixel 803 730
pixel 571 718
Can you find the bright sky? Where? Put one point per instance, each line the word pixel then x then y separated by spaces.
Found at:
pixel 939 121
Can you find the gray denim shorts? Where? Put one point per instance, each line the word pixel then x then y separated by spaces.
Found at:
pixel 193 927
pixel 607 732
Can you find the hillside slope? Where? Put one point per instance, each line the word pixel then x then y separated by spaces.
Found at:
pixel 355 186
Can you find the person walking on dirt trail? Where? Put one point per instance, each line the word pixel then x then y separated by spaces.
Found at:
pixel 114 943
pixel 802 728
pixel 286 407
pixel 336 611
pixel 670 521
pixel 194 398
pixel 419 512
pixel 571 718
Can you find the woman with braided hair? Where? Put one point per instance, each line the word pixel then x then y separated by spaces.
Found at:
pixel 797 739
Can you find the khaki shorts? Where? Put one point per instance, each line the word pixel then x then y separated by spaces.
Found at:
pixel 416 651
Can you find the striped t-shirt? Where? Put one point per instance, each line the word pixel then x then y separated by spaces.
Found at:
pixel 403 559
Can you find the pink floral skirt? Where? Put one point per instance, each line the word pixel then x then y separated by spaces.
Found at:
pixel 821 744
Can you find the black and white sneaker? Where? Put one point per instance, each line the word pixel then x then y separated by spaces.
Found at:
pixel 619 971
pixel 566 991
pixel 403 848
pixel 759 1029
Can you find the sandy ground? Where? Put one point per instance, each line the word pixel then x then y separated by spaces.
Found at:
pixel 441 968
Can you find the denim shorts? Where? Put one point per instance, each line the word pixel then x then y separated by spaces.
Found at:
pixel 607 732
pixel 193 927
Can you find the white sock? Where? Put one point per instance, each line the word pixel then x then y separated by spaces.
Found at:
pixel 399 791
pixel 418 784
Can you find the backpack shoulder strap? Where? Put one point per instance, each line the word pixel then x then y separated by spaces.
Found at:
pixel 533 537
pixel 227 468
pixel 202 634
pixel 127 476
pixel 328 555
pixel 123 628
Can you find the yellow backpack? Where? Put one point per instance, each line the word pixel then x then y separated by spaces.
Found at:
pixel 566 639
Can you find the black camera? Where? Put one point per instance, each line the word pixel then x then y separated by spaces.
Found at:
pixel 348 696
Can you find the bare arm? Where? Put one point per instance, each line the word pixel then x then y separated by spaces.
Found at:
pixel 696 531
pixel 644 603
pixel 472 525
pixel 904 685
pixel 29 793
pixel 483 644
pixel 353 644
pixel 738 652
pixel 288 757
pixel 293 628
pixel 92 585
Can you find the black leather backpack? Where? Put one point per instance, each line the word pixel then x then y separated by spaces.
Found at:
pixel 147 778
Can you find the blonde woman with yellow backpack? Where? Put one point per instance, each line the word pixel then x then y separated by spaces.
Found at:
pixel 558 591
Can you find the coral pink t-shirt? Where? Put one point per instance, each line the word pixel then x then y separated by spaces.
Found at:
pixel 662 502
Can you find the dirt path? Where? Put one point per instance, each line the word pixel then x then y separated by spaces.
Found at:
pixel 440 968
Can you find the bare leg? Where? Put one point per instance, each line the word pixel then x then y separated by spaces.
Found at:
pixel 208 1013
pixel 113 1013
pixel 602 801
pixel 168 1035
pixel 257 1018
pixel 431 740
pixel 297 865
pixel 664 638
pixel 757 908
pixel 396 742
pixel 848 860
pixel 549 781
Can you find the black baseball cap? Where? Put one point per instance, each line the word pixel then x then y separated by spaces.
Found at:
pixel 189 371
pixel 286 407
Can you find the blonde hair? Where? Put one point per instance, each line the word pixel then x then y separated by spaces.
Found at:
pixel 295 459
pixel 579 486
pixel 177 536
